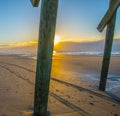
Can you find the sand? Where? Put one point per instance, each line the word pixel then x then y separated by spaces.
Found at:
pixel 73 88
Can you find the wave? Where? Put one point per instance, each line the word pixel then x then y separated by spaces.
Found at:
pixel 113 80
pixel 85 53
pixel 33 53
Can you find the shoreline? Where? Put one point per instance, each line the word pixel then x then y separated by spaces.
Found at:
pixel 93 73
pixel 72 93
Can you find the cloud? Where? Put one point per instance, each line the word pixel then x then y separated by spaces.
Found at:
pixel 19 44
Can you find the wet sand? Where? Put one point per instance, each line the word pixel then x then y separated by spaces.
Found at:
pixel 73 87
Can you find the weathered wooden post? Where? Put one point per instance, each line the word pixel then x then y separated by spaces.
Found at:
pixel 44 56
pixel 109 20
pixel 35 3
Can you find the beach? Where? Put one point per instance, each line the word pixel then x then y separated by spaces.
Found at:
pixel 73 86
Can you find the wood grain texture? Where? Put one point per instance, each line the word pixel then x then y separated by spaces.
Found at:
pixel 109 14
pixel 44 56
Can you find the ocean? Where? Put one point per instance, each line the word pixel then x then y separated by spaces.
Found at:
pixel 33 54
pixel 113 81
pixel 86 53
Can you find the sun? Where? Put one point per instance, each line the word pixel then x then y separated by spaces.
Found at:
pixel 56 40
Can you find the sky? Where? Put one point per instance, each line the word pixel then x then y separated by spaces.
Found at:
pixel 77 21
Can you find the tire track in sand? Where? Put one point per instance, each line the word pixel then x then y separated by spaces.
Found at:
pixel 66 83
pixel 63 101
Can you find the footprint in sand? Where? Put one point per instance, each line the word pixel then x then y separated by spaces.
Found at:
pixel 57 90
pixel 91 103
pixel 78 100
pixel 116 115
pixel 113 105
pixel 91 96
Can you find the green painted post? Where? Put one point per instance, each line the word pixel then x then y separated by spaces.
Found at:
pixel 44 56
pixel 107 50
pixel 109 14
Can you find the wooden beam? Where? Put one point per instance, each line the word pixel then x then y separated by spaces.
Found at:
pixel 44 55
pixel 35 3
pixel 107 50
pixel 115 4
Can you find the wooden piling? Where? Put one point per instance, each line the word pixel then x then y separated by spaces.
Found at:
pixel 35 3
pixel 107 50
pixel 109 14
pixel 44 56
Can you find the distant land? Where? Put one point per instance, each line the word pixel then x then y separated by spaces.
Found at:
pixel 97 46
pixel 86 46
